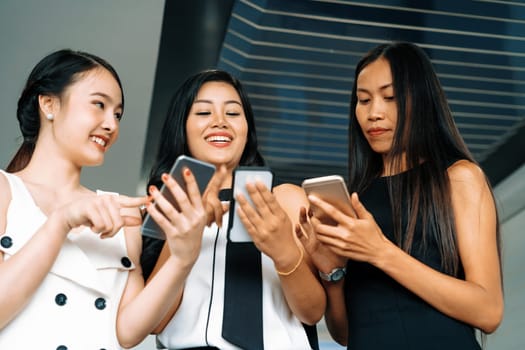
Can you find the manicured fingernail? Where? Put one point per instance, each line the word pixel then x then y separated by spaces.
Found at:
pixel 164 177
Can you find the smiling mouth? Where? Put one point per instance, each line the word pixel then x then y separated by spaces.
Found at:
pixel 99 140
pixel 218 139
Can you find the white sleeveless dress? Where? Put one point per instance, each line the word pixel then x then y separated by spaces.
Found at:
pixel 75 307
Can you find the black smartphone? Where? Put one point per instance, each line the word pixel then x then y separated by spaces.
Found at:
pixel 332 189
pixel 241 175
pixel 202 171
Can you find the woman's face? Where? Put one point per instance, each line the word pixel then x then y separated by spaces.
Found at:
pixel 87 117
pixel 376 108
pixel 216 128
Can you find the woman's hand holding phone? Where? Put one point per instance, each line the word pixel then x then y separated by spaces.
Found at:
pixel 215 209
pixel 201 171
pixel 237 231
pixel 182 226
pixel 267 222
pixel 331 189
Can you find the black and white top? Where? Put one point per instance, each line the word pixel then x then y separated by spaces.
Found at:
pixel 198 321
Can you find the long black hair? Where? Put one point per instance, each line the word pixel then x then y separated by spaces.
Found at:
pixel 51 77
pixel 173 139
pixel 425 132
pixel 173 142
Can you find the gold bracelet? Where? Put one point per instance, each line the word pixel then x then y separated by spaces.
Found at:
pixel 294 268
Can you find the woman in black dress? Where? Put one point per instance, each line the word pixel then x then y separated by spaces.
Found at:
pixel 419 266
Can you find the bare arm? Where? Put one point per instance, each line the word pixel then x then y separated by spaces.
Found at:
pixel 477 300
pixel 144 309
pixel 163 257
pixel 272 228
pixel 20 277
pixel 325 260
pixel 335 314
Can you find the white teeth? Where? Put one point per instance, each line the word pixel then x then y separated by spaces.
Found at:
pixel 98 140
pixel 218 139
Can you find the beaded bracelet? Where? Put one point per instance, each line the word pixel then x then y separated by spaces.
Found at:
pixel 294 268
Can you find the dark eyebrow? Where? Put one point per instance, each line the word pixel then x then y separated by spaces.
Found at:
pixel 233 101
pixel 202 101
pixel 386 86
pixel 225 102
pixel 105 96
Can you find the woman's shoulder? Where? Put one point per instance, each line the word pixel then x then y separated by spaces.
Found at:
pixel 288 189
pixel 464 172
pixel 464 169
pixel 290 195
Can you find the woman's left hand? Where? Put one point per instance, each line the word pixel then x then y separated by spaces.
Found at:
pixel 323 258
pixel 358 238
pixel 267 222
pixel 270 222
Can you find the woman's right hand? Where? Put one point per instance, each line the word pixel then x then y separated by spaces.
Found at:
pixel 103 214
pixel 182 226
pixel 215 209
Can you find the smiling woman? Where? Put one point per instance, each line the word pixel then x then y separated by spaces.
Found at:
pixel 96 86
pixel 233 285
pixel 86 243
pixel 225 143
pixel 68 96
pixel 94 107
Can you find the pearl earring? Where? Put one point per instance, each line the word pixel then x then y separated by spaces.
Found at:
pixel 50 116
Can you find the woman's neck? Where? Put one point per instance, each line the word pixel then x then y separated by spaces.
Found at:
pixel 52 173
pixel 393 166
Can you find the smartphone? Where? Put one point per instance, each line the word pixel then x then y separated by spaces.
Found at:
pixel 332 189
pixel 242 175
pixel 202 171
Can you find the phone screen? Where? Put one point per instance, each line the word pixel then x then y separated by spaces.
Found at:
pixel 202 171
pixel 236 230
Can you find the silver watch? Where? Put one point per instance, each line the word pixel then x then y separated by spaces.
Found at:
pixel 335 275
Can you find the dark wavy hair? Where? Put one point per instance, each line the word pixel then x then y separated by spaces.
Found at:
pixel 173 139
pixel 50 77
pixel 425 132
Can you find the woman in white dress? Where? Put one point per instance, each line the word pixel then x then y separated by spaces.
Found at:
pixel 70 276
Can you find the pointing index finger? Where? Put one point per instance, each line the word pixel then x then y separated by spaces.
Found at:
pixel 131 202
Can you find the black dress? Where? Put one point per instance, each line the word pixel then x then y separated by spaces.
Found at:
pixel 382 314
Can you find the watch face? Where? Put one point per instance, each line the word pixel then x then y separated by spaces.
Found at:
pixel 337 275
